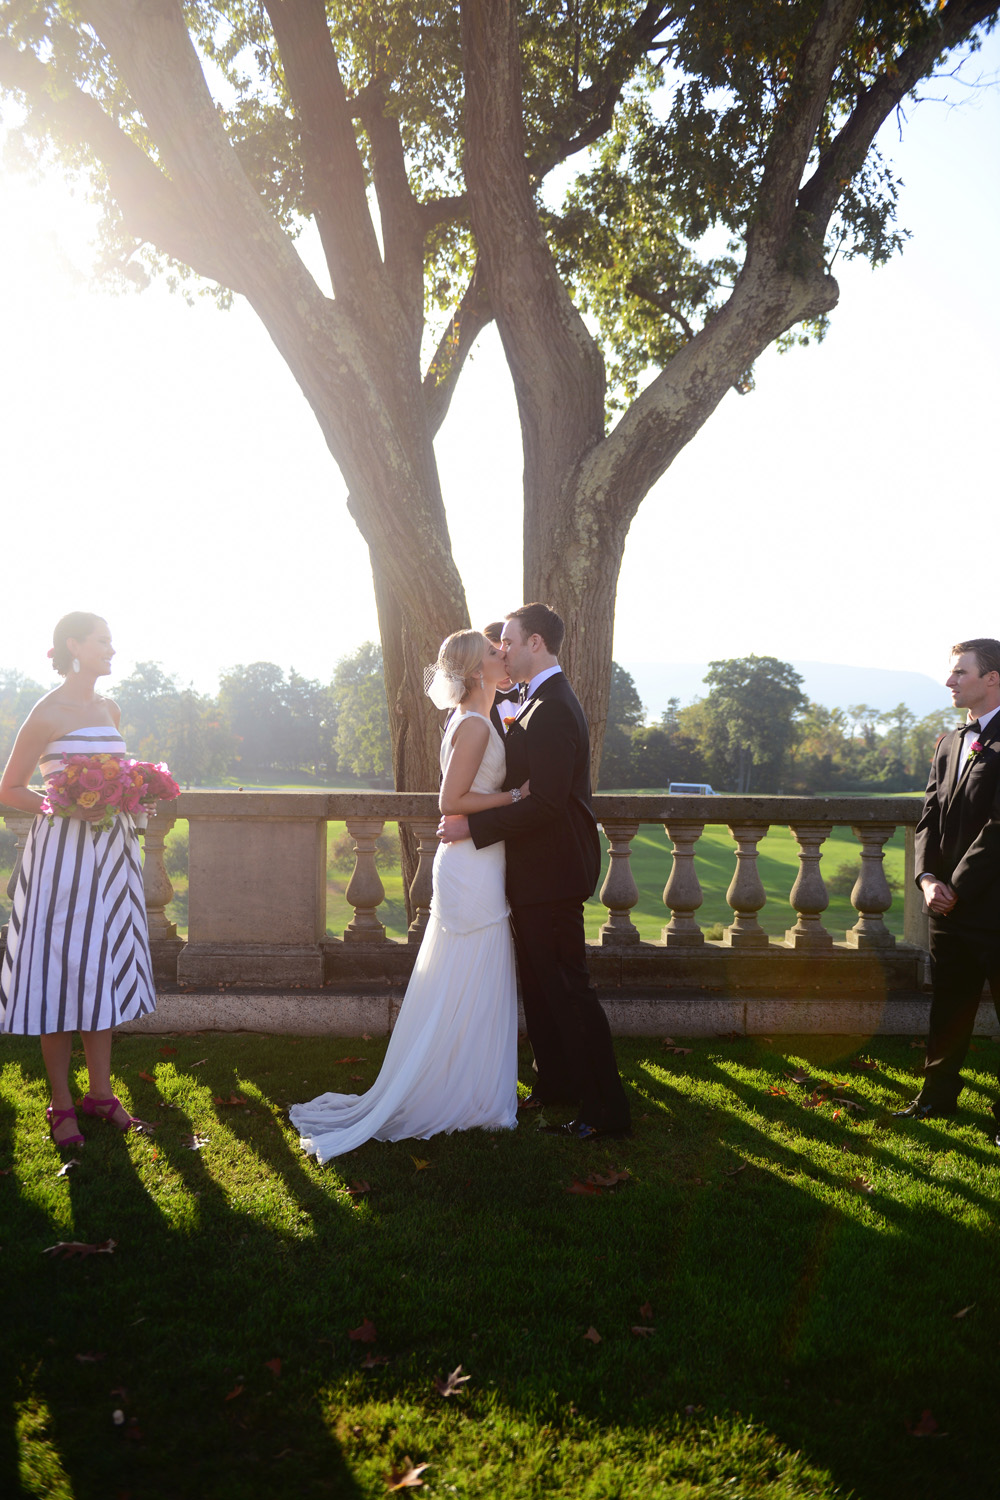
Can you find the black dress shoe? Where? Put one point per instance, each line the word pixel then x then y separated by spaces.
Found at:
pixel 915 1110
pixel 581 1131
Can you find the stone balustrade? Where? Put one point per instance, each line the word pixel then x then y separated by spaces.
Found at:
pixel 257 895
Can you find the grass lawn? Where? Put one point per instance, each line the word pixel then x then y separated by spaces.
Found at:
pixel 780 1300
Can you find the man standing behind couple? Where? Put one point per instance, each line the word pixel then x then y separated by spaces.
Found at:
pixel 553 861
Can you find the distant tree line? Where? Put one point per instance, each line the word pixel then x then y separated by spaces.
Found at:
pixel 753 731
pixel 261 724
pixel 756 731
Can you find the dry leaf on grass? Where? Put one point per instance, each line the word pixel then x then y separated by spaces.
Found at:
pixel 799 1076
pixel 237 1390
pixel 592 1336
pixel 452 1384
pixel 640 1331
pixel 274 1365
pixel 576 1186
pixel 926 1427
pixel 608 1179
pixel 868 1063
pixel 735 1171
pixel 421 1163
pixel 168 1051
pixel 195 1142
pixel 862 1184
pixel 233 1099
pixel 77 1250
pixel 774 1089
pixel 371 1360
pixel 349 1060
pixel 359 1189
pixel 90 1359
pixel 406 1478
pixel 646 1312
pixel 963 1310
pixel 364 1334
pixel 147 1077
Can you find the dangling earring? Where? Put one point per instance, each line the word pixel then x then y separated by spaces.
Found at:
pixel 76 664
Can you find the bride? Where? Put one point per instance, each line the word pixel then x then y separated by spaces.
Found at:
pixel 451 1063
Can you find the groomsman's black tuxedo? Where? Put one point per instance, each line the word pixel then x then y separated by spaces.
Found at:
pixel 958 841
pixel 553 861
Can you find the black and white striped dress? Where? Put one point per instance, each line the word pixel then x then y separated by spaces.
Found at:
pixel 77 954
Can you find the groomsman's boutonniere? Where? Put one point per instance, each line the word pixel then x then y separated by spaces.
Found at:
pixel 976 748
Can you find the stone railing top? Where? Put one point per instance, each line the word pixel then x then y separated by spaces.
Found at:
pixel 647 807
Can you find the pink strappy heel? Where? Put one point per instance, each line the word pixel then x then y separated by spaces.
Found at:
pixel 55 1118
pixel 104 1109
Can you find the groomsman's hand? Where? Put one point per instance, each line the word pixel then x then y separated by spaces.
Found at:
pixel 939 896
pixel 452 828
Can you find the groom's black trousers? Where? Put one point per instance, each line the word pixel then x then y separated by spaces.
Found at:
pixel 963 959
pixel 568 1030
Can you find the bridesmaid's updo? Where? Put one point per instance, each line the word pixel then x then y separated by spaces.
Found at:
pixel 77 625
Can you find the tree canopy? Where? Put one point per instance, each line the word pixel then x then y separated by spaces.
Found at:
pixel 711 161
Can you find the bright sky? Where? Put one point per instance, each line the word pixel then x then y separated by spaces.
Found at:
pixel 161 467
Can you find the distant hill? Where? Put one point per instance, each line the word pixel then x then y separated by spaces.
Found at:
pixel 823 682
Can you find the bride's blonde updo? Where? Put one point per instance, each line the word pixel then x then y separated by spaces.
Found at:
pixel 457 669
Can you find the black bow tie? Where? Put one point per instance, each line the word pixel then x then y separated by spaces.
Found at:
pixel 972 724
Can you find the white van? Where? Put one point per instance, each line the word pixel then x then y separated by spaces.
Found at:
pixel 690 789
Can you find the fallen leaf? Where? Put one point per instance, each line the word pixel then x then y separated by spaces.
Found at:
pixel 237 1390
pixel 233 1099
pixel 799 1076
pixel 452 1384
pixel 359 1189
pixel 920 1045
pixel 680 1051
pixel 646 1312
pixel 421 1163
pixel 199 1063
pixel 371 1360
pixel 608 1179
pixel 274 1365
pixel 815 1100
pixel 862 1184
pixel 349 1059
pixel 865 1062
pixel 408 1477
pixel 75 1249
pixel 576 1186
pixel 365 1037
pixel 364 1333
pixel 91 1359
pixel 73 1162
pixel 926 1427
pixel 168 1051
pixel 734 1171
pixel 775 1090
pixel 592 1336
pixel 962 1311
pixel 147 1077
pixel 640 1331
pixel 667 1041
pixel 355 1078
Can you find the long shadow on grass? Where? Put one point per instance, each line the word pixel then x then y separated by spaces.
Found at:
pixel 174 1330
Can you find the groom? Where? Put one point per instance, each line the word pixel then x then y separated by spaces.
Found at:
pixel 553 861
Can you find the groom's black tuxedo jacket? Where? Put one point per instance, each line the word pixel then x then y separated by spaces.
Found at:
pixel 958 836
pixel 553 849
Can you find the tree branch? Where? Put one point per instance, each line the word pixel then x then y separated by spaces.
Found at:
pixel 846 153
pixel 150 203
pixel 335 179
pixel 593 109
pixel 473 314
pixel 402 226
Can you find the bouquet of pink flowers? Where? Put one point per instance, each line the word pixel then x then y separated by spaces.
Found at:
pixel 105 785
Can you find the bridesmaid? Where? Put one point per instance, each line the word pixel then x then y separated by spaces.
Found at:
pixel 77 956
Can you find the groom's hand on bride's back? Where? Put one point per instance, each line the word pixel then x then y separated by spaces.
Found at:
pixel 453 827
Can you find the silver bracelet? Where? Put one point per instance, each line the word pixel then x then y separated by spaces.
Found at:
pixel 515 795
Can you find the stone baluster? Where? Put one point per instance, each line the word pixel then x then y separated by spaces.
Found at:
pixel 682 892
pixel 619 892
pixel 156 883
pixel 871 895
pixel 365 891
pixel 746 889
pixel 808 895
pixel 19 824
pixel 425 833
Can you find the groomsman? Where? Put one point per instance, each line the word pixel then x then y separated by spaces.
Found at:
pixel 958 870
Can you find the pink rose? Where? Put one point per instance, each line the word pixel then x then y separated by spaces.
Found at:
pixel 92 778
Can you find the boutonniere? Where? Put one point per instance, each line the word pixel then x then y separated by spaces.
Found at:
pixel 976 748
pixel 508 720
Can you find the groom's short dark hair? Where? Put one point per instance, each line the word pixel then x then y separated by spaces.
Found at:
pixel 541 619
pixel 986 651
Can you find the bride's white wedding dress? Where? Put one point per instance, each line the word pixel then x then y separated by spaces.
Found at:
pixel 451 1063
